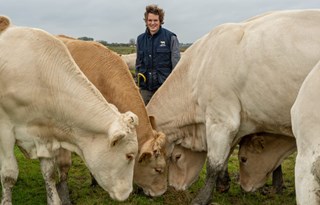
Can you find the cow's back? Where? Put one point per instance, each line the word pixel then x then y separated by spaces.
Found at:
pixel 263 62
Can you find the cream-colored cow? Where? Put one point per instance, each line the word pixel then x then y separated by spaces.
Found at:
pixel 130 60
pixel 47 103
pixel 306 128
pixel 239 79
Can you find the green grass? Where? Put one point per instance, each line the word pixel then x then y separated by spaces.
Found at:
pixel 30 189
pixel 122 49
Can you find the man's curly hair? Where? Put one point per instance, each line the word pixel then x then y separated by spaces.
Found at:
pixel 154 9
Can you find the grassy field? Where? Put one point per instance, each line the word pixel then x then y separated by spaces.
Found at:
pixel 122 49
pixel 30 189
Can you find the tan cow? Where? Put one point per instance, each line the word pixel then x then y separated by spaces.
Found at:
pixel 261 154
pixel 184 167
pixel 48 103
pixel 306 128
pixel 105 69
pixel 239 79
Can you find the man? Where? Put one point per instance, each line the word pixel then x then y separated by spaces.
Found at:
pixel 157 53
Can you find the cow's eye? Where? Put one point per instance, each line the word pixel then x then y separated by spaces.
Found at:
pixel 243 159
pixel 178 156
pixel 130 157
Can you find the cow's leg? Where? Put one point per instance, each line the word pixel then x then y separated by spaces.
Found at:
pixel 93 181
pixel 219 139
pixel 48 172
pixel 277 180
pixel 8 163
pixel 64 162
pixel 307 177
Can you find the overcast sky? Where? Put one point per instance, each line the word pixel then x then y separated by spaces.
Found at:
pixel 118 21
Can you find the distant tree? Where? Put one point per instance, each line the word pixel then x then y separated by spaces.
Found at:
pixel 105 43
pixel 132 41
pixel 86 38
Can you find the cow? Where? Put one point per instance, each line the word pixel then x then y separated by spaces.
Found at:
pixel 267 149
pixel 184 167
pixel 306 129
pixel 238 79
pixel 47 103
pixel 130 60
pixel 105 69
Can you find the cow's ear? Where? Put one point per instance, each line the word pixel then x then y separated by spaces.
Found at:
pixel 258 143
pixel 159 143
pixel 144 156
pixel 153 122
pixel 116 138
pixel 131 119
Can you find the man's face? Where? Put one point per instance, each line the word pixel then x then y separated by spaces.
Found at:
pixel 153 23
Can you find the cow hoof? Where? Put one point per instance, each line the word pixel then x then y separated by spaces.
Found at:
pixel 201 199
pixel 63 192
pixel 223 184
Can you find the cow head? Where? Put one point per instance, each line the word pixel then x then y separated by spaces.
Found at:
pixel 150 171
pixel 111 158
pixel 184 167
pixel 259 155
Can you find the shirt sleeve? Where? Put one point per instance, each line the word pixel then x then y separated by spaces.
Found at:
pixel 175 51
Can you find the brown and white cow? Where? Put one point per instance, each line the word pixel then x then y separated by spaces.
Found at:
pixel 239 79
pixel 306 127
pixel 105 69
pixel 48 103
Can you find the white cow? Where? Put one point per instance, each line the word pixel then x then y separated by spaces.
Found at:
pixel 130 60
pixel 306 128
pixel 48 103
pixel 239 79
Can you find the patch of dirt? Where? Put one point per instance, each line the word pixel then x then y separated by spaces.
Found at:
pixel 173 197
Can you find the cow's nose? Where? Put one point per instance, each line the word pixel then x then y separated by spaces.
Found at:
pixel 246 188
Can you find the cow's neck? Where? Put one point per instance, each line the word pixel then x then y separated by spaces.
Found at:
pixel 69 91
pixel 177 114
pixel 113 79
